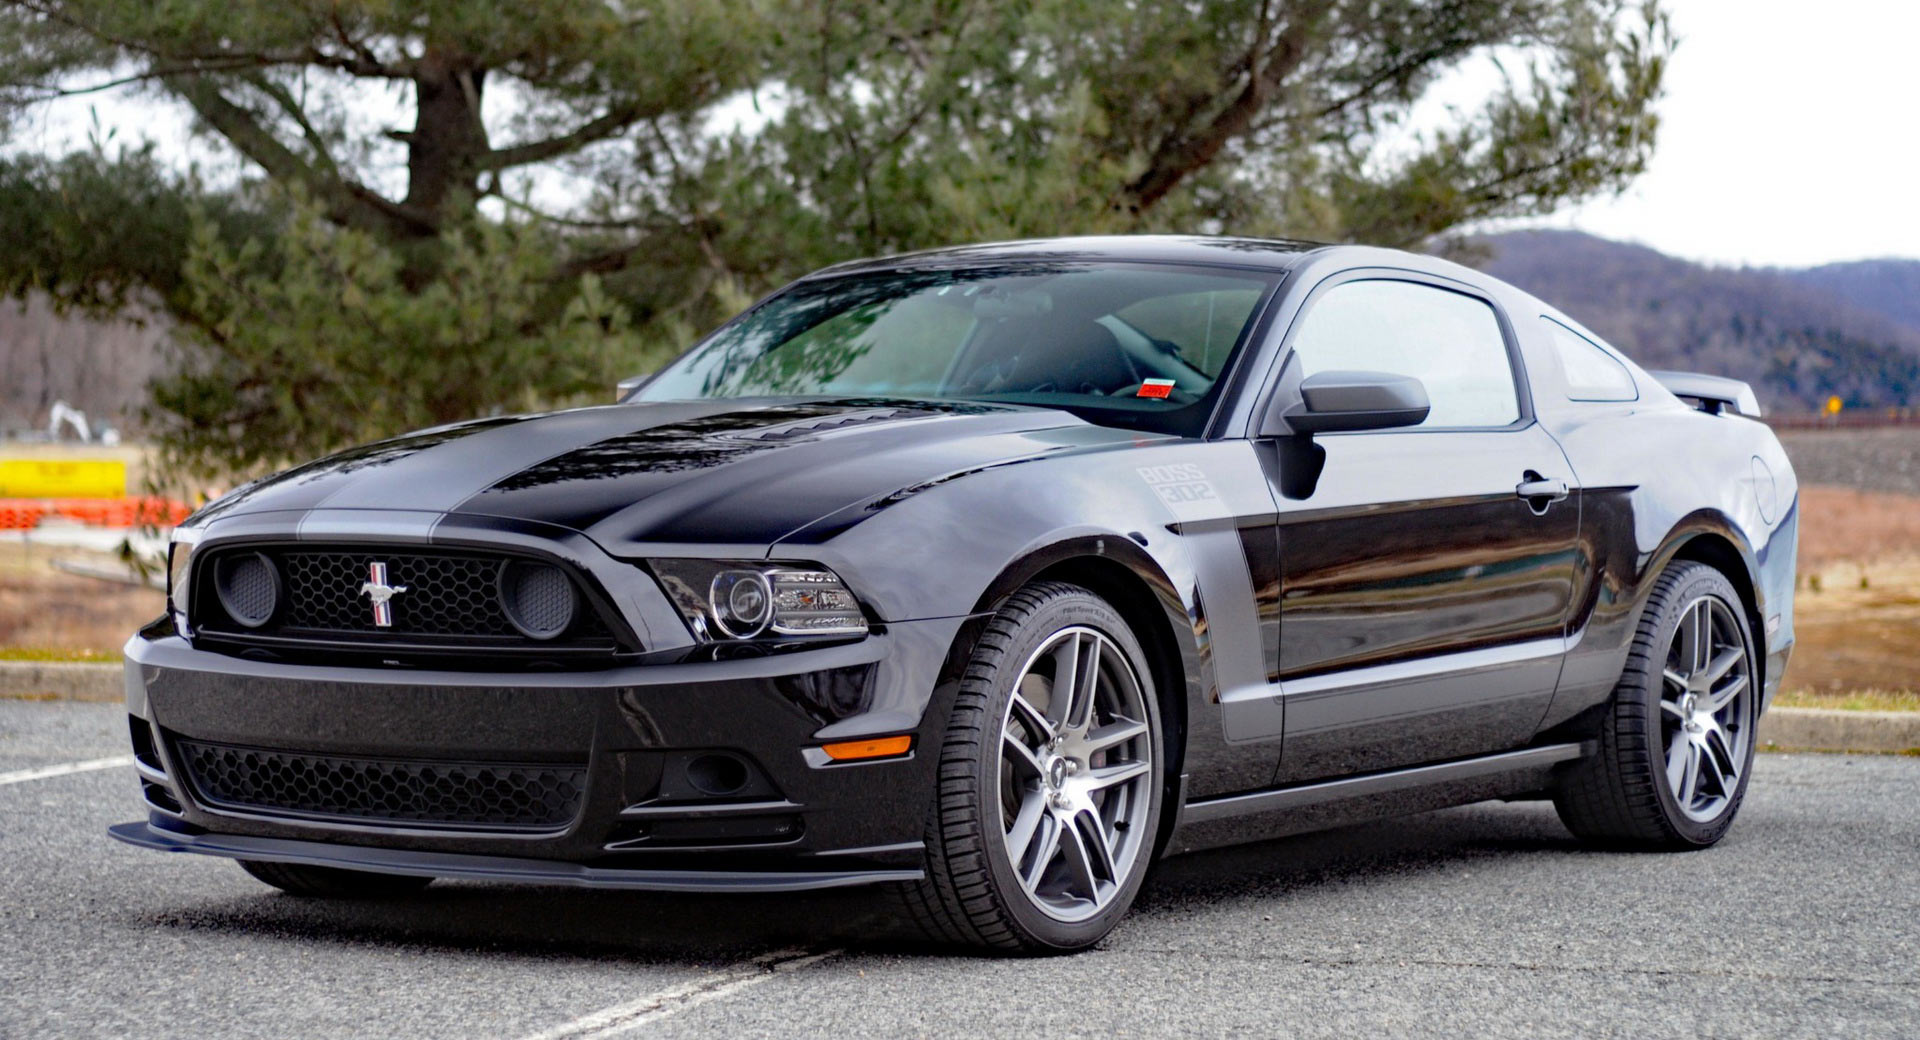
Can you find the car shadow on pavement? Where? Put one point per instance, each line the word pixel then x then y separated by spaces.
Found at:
pixel 557 922
pixel 1400 846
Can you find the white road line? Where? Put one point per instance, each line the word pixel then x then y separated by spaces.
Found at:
pixel 21 776
pixel 636 1014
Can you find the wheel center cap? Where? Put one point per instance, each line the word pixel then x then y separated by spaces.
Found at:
pixel 1057 773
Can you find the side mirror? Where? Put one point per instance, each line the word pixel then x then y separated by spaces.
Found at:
pixel 1331 401
pixel 627 386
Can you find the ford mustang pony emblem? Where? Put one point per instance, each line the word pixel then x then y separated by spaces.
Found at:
pixel 381 593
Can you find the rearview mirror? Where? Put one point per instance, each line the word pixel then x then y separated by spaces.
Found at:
pixel 1332 401
pixel 627 386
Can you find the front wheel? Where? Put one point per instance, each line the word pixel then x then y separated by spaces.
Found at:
pixel 1050 781
pixel 1676 747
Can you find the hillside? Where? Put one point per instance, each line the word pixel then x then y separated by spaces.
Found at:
pixel 1797 336
pixel 1890 288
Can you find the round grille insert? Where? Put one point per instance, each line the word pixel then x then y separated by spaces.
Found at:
pixel 537 598
pixel 248 587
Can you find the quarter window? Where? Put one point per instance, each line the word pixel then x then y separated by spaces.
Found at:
pixel 1449 341
pixel 1592 373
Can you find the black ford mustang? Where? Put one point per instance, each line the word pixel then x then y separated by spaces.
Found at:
pixel 991 575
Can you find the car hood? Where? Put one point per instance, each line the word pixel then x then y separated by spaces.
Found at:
pixel 706 472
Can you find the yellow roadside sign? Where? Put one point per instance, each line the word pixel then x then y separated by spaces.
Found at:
pixel 63 478
pixel 1834 404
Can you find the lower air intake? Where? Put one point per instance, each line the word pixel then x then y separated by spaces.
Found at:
pixel 470 795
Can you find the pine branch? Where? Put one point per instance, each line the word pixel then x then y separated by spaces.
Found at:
pixel 362 63
pixel 346 201
pixel 614 121
pixel 1183 152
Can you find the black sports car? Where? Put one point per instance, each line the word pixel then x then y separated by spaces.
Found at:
pixel 990 575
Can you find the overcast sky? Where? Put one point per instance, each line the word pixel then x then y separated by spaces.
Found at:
pixel 1790 136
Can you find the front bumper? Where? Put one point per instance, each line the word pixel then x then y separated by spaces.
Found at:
pixel 801 821
pixel 159 833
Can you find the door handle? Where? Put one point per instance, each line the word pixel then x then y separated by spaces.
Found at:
pixel 1541 492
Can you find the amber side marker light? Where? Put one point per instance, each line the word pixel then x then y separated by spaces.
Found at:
pixel 885 747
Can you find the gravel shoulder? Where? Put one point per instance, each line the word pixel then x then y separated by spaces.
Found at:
pixel 1882 458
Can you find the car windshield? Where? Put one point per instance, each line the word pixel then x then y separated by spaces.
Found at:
pixel 1120 344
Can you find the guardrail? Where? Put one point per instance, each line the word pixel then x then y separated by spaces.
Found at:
pixel 1863 418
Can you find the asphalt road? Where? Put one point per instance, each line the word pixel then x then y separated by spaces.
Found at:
pixel 1483 921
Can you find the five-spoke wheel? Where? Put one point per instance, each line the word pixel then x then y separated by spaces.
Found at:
pixel 1075 761
pixel 1706 708
pixel 1676 744
pixel 1052 774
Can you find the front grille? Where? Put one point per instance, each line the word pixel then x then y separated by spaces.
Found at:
pixel 437 597
pixel 445 595
pixel 471 795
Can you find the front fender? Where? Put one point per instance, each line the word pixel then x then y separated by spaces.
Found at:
pixel 1166 511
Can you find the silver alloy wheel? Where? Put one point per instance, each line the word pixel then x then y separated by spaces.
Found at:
pixel 1075 762
pixel 1706 708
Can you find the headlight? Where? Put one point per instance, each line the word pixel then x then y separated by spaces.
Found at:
pixel 727 599
pixel 179 557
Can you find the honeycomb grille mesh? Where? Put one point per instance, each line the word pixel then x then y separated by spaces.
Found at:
pixel 446 595
pixel 489 796
pixel 439 597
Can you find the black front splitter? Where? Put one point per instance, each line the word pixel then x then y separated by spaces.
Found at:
pixel 492 868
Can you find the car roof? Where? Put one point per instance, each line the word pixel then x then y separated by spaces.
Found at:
pixel 1246 253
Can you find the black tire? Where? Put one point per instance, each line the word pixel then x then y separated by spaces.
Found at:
pixel 1622 795
pixel 972 895
pixel 298 879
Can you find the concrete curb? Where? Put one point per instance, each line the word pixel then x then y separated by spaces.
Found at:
pixel 1783 729
pixel 98 682
pixel 1828 729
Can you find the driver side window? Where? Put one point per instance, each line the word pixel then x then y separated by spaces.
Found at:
pixel 1449 341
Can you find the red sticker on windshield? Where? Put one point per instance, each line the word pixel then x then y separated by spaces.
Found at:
pixel 1156 388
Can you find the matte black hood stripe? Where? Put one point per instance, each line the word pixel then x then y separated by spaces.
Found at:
pixel 697 471
pixel 440 478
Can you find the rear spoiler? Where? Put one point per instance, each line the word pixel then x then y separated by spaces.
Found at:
pixel 1711 394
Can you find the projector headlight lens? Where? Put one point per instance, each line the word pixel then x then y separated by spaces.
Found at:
pixel 726 600
pixel 741 603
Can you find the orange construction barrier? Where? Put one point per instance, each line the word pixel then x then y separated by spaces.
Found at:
pixel 19 515
pixel 24 514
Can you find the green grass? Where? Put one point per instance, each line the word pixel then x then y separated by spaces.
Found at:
pixel 1850 700
pixel 44 653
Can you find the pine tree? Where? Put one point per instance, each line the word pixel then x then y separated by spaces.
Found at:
pixel 666 160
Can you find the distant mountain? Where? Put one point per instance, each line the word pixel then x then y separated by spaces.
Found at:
pixel 1798 336
pixel 1889 287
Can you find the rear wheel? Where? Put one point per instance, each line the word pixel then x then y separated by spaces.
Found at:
pixel 332 882
pixel 1050 781
pixel 1676 747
